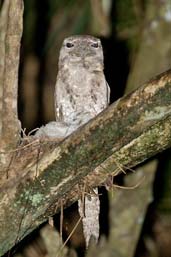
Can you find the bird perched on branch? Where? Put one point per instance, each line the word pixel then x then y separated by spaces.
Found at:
pixel 81 93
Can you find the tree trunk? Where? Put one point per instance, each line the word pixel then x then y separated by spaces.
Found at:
pixel 10 36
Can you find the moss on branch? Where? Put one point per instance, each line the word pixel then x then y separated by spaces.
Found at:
pixel 42 173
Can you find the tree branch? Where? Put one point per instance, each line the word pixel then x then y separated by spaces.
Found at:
pixel 45 173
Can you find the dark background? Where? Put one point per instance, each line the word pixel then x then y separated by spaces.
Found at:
pixel 136 39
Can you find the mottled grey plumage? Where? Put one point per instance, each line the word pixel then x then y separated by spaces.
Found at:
pixel 81 89
pixel 81 93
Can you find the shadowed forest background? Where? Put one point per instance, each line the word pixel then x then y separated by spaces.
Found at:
pixel 136 39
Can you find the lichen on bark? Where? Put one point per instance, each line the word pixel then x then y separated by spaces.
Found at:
pixel 44 172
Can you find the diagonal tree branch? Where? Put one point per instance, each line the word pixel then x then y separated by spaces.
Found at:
pixel 44 173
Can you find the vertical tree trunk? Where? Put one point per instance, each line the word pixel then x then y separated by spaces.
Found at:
pixel 11 25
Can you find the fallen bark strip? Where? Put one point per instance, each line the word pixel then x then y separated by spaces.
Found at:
pixel 43 173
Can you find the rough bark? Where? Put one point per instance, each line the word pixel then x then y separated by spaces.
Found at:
pixel 10 36
pixel 42 173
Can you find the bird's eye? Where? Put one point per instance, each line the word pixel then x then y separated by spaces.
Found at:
pixel 69 45
pixel 95 45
